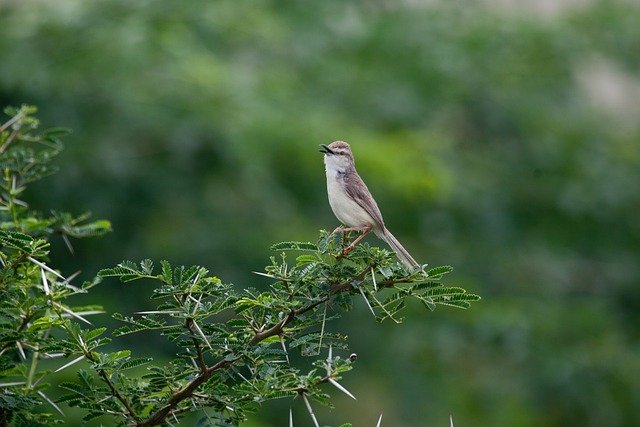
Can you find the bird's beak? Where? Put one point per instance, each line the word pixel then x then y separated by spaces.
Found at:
pixel 326 149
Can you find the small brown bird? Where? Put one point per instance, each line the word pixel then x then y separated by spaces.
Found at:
pixel 352 202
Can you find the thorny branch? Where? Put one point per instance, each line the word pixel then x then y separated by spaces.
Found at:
pixel 189 389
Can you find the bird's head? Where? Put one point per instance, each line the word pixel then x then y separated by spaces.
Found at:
pixel 338 156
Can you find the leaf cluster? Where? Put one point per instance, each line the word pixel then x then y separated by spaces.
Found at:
pixel 233 349
pixel 33 294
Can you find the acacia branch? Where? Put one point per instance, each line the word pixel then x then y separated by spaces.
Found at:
pixel 187 391
pixel 117 394
pixel 276 330
pixel 337 288
pixel 114 392
pixel 200 356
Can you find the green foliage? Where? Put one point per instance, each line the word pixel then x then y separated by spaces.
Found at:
pixel 33 308
pixel 233 347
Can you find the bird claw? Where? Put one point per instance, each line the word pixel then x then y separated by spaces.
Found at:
pixel 348 249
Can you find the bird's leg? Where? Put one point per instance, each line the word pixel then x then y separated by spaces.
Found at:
pixel 366 228
pixel 344 230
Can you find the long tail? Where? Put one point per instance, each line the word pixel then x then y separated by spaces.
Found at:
pixel 402 253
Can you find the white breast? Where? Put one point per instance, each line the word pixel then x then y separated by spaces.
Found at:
pixel 344 208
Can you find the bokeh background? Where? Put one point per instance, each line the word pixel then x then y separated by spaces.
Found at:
pixel 499 136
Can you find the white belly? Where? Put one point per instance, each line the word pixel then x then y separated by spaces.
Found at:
pixel 344 208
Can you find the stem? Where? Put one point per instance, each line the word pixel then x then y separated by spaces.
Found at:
pixel 12 120
pixel 9 140
pixel 114 392
pixel 189 389
pixel 101 372
pixel 32 368
pixel 117 394
pixel 200 358
pixel 278 328
pixel 25 321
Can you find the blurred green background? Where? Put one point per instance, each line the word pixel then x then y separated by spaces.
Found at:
pixel 500 137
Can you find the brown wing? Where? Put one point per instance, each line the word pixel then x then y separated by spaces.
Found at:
pixel 358 191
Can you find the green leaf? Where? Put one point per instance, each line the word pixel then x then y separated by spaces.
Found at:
pixel 92 415
pixel 167 272
pixel 134 363
pixel 396 296
pixel 15 240
pixel 428 302
pixel 306 259
pixel 270 340
pixel 117 355
pixel 92 229
pixel 451 290
pixel 44 323
pixel 89 335
pixel 135 325
pixel 57 131
pixel 126 271
pixel 184 277
pixel 297 246
pixel 147 267
pixel 424 285
pixel 437 272
pixel 458 300
pixel 305 339
pixel 74 387
pixel 75 226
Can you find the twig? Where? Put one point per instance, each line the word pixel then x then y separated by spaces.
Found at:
pixel 159 416
pixel 117 394
pixel 278 328
pixel 187 391
pixel 202 365
pixel 313 416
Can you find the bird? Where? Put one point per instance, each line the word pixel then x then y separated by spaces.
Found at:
pixel 352 203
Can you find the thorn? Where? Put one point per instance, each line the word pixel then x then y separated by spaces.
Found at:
pixel 313 416
pixel 158 312
pixel 271 276
pixel 341 388
pixel 86 313
pixel 45 283
pixel 373 278
pixel 284 348
pixel 52 271
pixel 197 304
pixel 76 360
pixel 367 301
pixel 68 243
pixel 202 334
pixel 57 408
pixel 21 350
pixel 76 315
pixel 73 276
pixel 12 384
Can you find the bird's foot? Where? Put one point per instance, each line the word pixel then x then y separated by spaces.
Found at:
pixel 348 249
pixel 346 229
pixel 345 251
